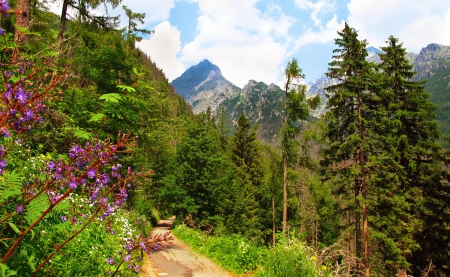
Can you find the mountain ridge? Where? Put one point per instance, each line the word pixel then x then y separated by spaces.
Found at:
pixel 203 86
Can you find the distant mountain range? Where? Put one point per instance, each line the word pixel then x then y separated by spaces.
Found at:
pixel 203 86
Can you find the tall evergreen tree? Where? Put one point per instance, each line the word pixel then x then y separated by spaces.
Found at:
pixel 247 194
pixel 296 109
pixel 414 227
pixel 353 119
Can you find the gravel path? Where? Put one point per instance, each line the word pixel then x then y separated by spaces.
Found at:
pixel 178 259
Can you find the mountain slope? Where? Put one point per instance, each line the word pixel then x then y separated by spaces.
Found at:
pixel 203 86
pixel 262 104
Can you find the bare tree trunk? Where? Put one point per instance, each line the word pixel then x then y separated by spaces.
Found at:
pixel 22 20
pixel 62 24
pixel 274 227
pixel 285 168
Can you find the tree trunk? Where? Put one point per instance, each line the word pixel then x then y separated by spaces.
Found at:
pixel 285 168
pixel 22 20
pixel 274 227
pixel 62 24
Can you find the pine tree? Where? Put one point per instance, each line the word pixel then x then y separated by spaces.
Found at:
pixel 247 212
pixel 413 135
pixel 352 122
pixel 296 109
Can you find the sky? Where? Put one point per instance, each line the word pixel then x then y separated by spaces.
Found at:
pixel 254 40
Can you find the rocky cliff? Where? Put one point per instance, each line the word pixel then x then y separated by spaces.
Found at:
pixel 203 86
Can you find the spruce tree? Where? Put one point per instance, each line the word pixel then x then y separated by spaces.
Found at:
pixel 352 121
pixel 296 109
pixel 415 214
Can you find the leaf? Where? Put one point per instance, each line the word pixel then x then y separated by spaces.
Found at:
pixel 5 271
pixel 97 117
pixel 126 88
pixel 35 208
pixel 10 185
pixel 14 227
pixel 82 134
pixel 111 97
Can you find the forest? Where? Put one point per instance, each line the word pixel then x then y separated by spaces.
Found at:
pixel 96 146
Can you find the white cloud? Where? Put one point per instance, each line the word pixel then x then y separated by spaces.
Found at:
pixel 327 34
pixel 163 47
pixel 243 41
pixel 415 24
pixel 319 9
pixel 320 32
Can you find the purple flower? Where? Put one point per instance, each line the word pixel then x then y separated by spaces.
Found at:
pixel 19 209
pixel 104 200
pixel 73 185
pixel 91 173
pixel 2 163
pixel 136 269
pixel 6 134
pixel 105 178
pixel 51 165
pixel 110 261
pixel 64 218
pixel 20 95
pixel 83 215
pixel 28 115
pixel 4 6
pixel 127 257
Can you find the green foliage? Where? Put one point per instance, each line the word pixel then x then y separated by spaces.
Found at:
pixel 235 253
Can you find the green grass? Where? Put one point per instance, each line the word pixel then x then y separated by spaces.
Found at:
pixel 240 256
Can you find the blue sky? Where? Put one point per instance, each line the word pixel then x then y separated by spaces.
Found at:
pixel 251 39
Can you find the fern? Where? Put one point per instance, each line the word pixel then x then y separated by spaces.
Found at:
pixel 126 88
pixel 6 272
pixel 10 185
pixel 111 97
pixel 97 117
pixel 79 133
pixel 35 208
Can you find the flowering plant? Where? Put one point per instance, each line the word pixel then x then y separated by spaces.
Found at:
pixel 92 170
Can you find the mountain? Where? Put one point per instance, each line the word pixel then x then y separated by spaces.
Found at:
pixel 262 104
pixel 373 54
pixel 203 86
pixel 431 59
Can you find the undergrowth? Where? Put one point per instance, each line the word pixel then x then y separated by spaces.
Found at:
pixel 238 255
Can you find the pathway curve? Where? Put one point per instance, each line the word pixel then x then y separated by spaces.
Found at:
pixel 178 260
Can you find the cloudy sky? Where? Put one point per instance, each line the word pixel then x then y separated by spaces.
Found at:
pixel 251 39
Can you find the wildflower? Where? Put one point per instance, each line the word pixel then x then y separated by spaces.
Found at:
pixel 28 115
pixel 20 95
pixel 19 209
pixel 91 173
pixel 6 133
pixel 110 261
pixel 64 218
pixel 73 185
pixel 127 257
pixel 4 7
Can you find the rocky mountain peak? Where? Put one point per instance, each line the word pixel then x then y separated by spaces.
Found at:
pixel 431 59
pixel 203 86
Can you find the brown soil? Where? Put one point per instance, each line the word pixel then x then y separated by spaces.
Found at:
pixel 178 259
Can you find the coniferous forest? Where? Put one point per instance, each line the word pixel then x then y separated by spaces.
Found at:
pixel 96 147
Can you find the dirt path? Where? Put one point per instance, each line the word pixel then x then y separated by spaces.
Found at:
pixel 178 259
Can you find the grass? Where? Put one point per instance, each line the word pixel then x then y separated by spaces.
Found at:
pixel 239 256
